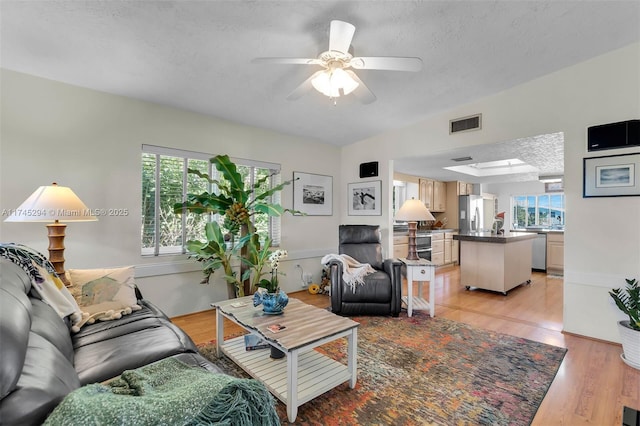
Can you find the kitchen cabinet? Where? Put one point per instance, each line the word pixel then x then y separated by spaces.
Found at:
pixel 447 249
pixel 400 246
pixel 437 248
pixel 495 262
pixel 469 188
pixel 452 203
pixel 439 196
pixel 555 252
pixel 426 192
pixel 462 188
pixel 450 248
pixel 455 251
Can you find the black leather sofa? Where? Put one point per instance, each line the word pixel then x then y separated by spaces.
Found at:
pixel 381 293
pixel 41 361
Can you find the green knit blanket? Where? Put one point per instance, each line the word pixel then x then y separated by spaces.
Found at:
pixel 168 392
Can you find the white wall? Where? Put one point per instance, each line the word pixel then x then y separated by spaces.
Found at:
pixel 91 142
pixel 602 235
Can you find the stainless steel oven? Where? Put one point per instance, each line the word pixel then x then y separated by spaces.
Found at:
pixel 423 245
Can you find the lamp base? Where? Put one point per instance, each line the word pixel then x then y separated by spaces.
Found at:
pixel 413 253
pixel 56 233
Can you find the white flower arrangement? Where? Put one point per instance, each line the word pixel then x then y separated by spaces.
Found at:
pixel 274 260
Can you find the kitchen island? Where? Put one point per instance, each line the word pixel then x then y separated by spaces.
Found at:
pixel 495 262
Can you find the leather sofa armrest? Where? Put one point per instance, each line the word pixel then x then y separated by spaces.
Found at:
pixel 393 267
pixel 335 277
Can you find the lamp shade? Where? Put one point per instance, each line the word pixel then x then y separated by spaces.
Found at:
pixel 51 203
pixel 414 211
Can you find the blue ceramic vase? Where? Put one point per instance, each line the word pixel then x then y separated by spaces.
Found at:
pixel 272 303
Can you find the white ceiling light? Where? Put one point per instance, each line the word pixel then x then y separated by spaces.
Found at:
pixel 550 179
pixel 494 168
pixel 334 81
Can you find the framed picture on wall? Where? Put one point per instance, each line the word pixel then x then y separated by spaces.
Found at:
pixel 313 194
pixel 364 198
pixel 611 176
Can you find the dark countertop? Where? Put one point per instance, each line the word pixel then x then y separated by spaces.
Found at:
pixel 488 237
pixel 541 231
pixel 423 231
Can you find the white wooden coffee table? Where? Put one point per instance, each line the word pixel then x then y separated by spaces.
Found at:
pixel 304 373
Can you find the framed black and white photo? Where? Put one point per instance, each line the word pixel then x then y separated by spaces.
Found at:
pixel 364 198
pixel 313 194
pixel 612 176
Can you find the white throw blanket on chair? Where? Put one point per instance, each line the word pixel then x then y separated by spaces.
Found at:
pixel 353 272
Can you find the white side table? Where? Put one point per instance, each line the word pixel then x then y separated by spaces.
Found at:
pixel 420 270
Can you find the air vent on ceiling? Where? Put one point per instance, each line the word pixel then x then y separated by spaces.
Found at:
pixel 459 159
pixel 465 124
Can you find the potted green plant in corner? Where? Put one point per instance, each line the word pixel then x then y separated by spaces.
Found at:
pixel 628 301
pixel 237 204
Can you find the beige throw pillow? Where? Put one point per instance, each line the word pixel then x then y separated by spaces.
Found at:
pixel 104 294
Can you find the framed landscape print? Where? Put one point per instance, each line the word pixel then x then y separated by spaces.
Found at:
pixel 364 198
pixel 313 194
pixel 612 176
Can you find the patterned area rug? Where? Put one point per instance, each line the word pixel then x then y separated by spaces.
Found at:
pixel 423 370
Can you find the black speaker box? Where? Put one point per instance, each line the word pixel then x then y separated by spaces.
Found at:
pixel 624 134
pixel 369 169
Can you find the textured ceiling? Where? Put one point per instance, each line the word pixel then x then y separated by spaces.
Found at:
pixel 544 152
pixel 196 55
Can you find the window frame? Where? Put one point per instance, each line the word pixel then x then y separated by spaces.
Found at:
pixel 274 223
pixel 537 197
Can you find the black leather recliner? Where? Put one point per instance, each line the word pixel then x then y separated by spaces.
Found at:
pixel 382 291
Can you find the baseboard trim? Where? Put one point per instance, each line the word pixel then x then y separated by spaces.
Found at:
pixel 595 339
pixel 181 266
pixel 594 279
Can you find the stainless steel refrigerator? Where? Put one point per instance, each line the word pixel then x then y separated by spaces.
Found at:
pixel 470 209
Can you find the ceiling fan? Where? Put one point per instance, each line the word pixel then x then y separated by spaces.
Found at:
pixel 336 78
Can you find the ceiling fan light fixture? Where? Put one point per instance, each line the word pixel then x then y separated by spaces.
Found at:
pixel 331 82
pixel 322 83
pixel 343 81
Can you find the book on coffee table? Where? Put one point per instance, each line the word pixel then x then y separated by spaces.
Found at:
pixel 253 342
pixel 276 328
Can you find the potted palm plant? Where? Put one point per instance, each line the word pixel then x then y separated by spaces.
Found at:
pixel 237 204
pixel 628 301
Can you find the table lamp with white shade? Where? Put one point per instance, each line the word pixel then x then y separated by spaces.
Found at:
pixel 413 211
pixel 52 204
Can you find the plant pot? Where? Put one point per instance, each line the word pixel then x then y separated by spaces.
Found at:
pixel 630 344
pixel 272 303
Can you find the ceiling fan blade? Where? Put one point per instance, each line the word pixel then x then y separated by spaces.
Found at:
pixel 302 89
pixel 362 93
pixel 297 61
pixel 388 63
pixel 340 36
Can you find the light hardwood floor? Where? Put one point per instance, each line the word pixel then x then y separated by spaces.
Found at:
pixel 592 385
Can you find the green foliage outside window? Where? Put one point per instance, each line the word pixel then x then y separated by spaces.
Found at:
pixel 169 185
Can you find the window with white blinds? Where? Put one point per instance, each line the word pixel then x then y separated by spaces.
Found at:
pixel 165 181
